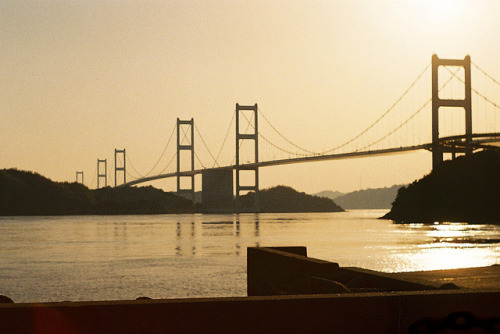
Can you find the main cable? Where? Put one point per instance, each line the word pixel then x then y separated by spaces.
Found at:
pixel 383 115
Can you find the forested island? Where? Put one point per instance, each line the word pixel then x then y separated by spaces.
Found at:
pixel 286 199
pixel 30 194
pixel 466 189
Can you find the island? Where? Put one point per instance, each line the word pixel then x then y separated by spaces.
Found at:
pixel 466 189
pixel 24 193
pixel 286 199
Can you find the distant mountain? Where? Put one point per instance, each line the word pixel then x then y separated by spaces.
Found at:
pixel 329 194
pixel 379 198
pixel 286 199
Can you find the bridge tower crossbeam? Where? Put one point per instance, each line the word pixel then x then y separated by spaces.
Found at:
pixel 437 102
pixel 247 136
pixel 181 146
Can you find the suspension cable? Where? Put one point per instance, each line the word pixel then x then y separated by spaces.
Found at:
pixel 225 138
pixel 93 178
pixel 475 90
pixel 282 136
pixel 280 148
pixel 397 128
pixel 206 146
pixel 168 164
pixel 133 167
pixel 164 150
pixel 409 118
pixel 197 158
pixel 486 74
pixel 383 115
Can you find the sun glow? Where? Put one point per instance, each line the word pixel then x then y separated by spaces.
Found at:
pixel 439 13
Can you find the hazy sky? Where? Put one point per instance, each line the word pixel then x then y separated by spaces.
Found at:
pixel 81 78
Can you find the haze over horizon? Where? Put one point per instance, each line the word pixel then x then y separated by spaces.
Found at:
pixel 79 79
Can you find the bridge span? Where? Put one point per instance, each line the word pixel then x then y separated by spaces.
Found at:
pixel 451 144
pixel 289 161
pixel 218 181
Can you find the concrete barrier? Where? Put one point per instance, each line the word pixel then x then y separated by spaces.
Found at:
pixel 288 271
pixel 387 312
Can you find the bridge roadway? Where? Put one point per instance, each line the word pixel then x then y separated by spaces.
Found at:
pixel 337 156
pixel 449 144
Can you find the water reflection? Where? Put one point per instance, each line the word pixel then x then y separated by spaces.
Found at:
pixel 182 240
pixel 450 246
pixel 215 237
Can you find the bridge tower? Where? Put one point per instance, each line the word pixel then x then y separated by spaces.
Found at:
pixel 100 174
pixel 465 104
pixel 122 167
pixel 182 146
pixel 244 136
pixel 77 177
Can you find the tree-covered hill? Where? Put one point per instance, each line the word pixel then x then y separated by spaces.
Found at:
pixel 27 193
pixel 466 189
pixel 286 199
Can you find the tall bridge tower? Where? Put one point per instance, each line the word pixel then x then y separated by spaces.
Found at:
pixel 245 136
pixel 122 167
pixel 79 176
pixel 465 104
pixel 183 146
pixel 102 174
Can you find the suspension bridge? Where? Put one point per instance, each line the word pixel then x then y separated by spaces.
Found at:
pixel 403 127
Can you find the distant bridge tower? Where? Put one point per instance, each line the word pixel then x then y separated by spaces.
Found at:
pixel 122 167
pixel 183 146
pixel 466 104
pixel 100 174
pixel 251 136
pixel 81 177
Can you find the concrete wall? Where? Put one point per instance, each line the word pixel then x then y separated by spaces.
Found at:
pixel 217 193
pixel 342 313
pixel 288 270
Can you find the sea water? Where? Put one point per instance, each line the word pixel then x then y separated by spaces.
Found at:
pixel 72 258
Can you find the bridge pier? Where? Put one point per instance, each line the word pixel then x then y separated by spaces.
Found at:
pixel 217 191
pixel 466 104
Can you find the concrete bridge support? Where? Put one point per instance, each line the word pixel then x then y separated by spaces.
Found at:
pixel 466 104
pixel 217 191
pixel 239 167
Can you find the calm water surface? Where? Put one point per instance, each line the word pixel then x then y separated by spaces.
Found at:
pixel 167 256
